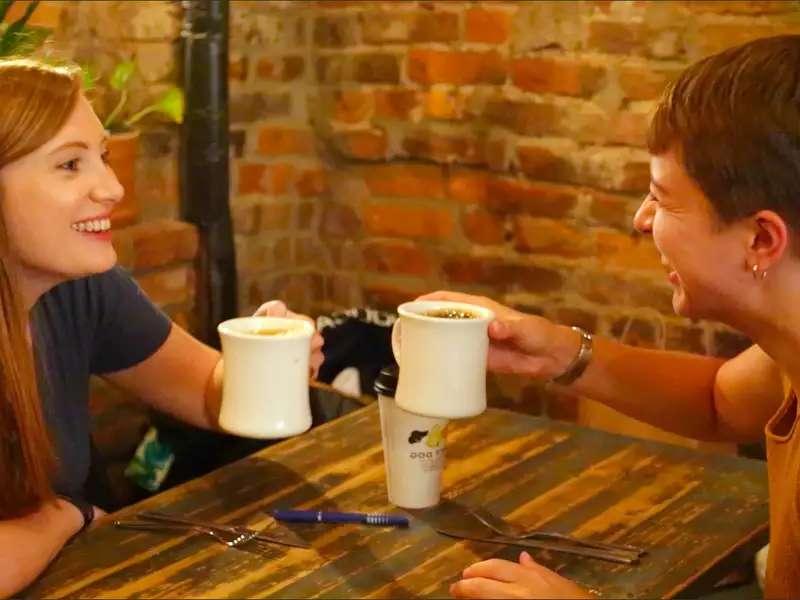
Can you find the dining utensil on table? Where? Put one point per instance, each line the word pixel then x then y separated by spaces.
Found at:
pixel 228 538
pixel 628 558
pixel 509 530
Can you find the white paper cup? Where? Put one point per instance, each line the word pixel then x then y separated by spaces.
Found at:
pixel 442 361
pixel 413 451
pixel 265 380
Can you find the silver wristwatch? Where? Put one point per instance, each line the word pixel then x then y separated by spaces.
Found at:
pixel 580 362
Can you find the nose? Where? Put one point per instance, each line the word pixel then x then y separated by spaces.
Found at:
pixel 107 188
pixel 643 219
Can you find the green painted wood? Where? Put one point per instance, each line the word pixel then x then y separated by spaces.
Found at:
pixel 698 514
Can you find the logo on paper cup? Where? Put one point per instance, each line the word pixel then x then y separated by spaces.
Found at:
pixel 433 438
pixel 430 454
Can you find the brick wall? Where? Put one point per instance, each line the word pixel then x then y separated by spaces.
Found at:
pixel 384 149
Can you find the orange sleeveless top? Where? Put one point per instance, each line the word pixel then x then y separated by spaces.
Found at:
pixel 783 464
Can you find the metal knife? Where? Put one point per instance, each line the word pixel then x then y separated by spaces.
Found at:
pixel 617 557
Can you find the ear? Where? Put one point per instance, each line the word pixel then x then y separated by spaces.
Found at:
pixel 769 239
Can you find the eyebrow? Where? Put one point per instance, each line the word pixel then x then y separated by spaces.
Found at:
pixel 658 186
pixel 77 144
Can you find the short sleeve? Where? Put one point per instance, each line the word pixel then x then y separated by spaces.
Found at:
pixel 129 327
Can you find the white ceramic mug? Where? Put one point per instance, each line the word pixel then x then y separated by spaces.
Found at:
pixel 265 378
pixel 442 361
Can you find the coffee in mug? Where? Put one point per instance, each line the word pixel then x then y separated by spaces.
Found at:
pixel 442 358
pixel 265 376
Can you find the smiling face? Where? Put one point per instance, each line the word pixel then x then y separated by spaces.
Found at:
pixel 56 204
pixel 705 259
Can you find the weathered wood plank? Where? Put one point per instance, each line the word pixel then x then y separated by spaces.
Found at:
pixel 697 513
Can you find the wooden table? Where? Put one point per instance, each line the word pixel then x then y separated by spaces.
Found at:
pixel 699 514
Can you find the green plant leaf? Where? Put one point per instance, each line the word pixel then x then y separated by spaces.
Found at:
pixel 4 6
pixel 172 104
pixel 89 77
pixel 23 42
pixel 122 74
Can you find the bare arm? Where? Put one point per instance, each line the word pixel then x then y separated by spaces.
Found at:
pixel 28 544
pixel 698 396
pixel 182 378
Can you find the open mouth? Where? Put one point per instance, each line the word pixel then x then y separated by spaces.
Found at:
pixel 93 225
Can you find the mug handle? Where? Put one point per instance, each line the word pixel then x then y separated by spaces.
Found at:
pixel 396 340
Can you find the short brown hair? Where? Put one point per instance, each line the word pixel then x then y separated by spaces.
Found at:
pixel 735 119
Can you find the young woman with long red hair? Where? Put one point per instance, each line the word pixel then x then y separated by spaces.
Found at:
pixel 66 312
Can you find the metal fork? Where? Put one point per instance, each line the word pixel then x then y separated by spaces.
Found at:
pixel 229 538
pixel 284 536
pixel 509 530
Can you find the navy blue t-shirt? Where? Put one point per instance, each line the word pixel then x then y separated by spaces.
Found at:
pixel 89 326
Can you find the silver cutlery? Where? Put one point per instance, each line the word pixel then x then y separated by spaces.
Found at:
pixel 628 558
pixel 509 530
pixel 228 538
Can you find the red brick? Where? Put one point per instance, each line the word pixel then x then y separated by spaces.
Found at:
pixel 617 38
pixel 376 68
pixel 611 210
pixel 575 316
pixel 275 141
pixel 544 236
pixel 352 106
pixel 414 181
pixel 539 162
pixel 504 276
pixel 403 27
pixel 533 198
pixel 629 128
pixel 646 81
pixel 444 149
pixel 534 117
pixel 557 75
pixel 160 243
pixel 715 37
pixel 286 68
pixel 365 145
pixel 308 252
pixel 389 297
pixel 624 251
pixel 462 68
pixel 245 218
pixel 267 179
pixel 408 221
pixel 445 104
pixel 398 257
pixel 635 177
pixel 335 31
pixel 487 26
pixel 312 182
pixel 275 217
pixel 467 186
pixel 168 286
pixel 237 68
pixel 739 7
pixel 395 104
pixel 483 227
pixel 339 220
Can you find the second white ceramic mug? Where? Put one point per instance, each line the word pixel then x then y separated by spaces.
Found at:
pixel 442 361
pixel 265 377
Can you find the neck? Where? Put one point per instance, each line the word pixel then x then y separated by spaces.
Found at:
pixel 32 285
pixel 773 322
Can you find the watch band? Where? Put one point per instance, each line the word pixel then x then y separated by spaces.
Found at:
pixel 580 362
pixel 86 509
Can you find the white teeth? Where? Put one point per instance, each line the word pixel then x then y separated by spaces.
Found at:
pixel 94 225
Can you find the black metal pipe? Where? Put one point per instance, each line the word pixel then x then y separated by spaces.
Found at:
pixel 204 169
